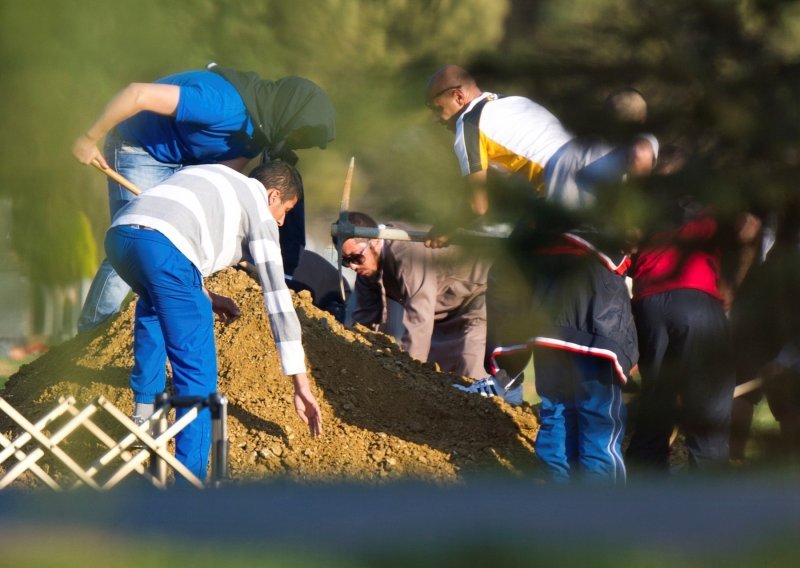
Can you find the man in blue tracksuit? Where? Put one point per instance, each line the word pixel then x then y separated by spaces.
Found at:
pixel 217 115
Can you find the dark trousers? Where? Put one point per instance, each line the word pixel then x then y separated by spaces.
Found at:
pixel 510 318
pixel 688 379
pixel 293 237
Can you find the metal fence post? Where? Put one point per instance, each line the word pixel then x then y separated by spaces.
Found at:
pixel 218 404
pixel 158 467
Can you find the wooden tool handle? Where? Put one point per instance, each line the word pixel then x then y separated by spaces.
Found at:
pixel 120 179
pixel 348 182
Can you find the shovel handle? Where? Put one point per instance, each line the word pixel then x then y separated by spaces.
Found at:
pixel 120 179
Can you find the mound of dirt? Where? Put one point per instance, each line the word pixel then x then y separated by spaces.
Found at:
pixel 386 415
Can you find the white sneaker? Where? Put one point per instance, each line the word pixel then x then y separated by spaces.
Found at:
pixel 491 387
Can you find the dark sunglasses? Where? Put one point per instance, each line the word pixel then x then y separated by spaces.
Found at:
pixel 358 258
pixel 430 104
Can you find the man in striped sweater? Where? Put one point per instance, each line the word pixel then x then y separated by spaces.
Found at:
pixel 199 221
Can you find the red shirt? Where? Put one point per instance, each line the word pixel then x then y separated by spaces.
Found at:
pixel 679 259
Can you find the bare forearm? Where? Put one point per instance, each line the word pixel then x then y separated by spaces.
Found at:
pixel 306 405
pixel 133 99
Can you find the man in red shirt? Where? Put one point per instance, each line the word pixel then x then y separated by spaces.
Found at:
pixel 685 358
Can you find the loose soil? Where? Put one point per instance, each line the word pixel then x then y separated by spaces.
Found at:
pixel 386 416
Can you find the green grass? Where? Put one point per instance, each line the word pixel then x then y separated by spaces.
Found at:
pixel 7 368
pixel 529 387
pixel 764 443
pixel 85 548
pixel 763 420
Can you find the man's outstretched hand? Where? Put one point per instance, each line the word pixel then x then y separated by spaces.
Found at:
pixel 306 405
pixel 225 308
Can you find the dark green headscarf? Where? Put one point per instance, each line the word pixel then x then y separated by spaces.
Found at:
pixel 279 108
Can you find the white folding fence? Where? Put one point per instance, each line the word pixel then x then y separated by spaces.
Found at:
pixel 120 457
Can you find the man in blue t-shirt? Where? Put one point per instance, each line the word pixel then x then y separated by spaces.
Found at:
pixel 218 115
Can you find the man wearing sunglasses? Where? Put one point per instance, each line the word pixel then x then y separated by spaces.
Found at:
pixel 441 292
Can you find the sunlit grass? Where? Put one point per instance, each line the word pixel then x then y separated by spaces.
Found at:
pixel 9 366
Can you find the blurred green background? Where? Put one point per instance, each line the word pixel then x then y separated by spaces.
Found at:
pixel 721 75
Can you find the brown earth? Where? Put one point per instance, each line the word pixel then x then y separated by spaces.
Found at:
pixel 386 416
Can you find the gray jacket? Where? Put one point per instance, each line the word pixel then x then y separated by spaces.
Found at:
pixel 432 285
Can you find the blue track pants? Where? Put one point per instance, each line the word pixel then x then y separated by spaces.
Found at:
pixel 582 417
pixel 174 320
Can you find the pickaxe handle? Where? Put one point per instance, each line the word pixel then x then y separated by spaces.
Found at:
pixel 120 179
pixel 348 183
pixel 740 390
pixel 343 208
pixel 346 231
pixel 388 233
pixel 747 387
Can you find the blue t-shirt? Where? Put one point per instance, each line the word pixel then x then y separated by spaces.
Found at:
pixel 211 123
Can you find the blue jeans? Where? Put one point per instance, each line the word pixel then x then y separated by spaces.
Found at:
pixel 174 320
pixel 108 290
pixel 582 417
